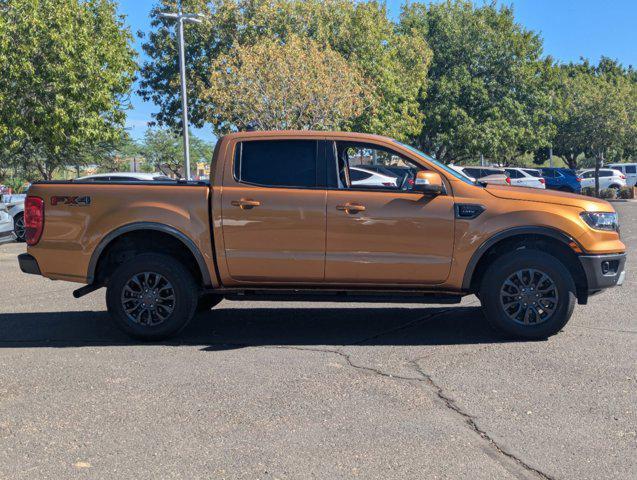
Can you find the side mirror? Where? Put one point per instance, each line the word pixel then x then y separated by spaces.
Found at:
pixel 428 182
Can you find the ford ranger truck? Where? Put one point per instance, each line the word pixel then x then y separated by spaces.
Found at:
pixel 299 215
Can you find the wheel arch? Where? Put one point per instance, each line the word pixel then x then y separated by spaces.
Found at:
pixel 111 239
pixel 548 239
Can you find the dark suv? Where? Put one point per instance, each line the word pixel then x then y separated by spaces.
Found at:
pixel 563 179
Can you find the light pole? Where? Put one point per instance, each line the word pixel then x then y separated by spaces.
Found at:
pixel 181 19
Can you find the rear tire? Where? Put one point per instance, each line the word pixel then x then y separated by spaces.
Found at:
pixel 152 297
pixel 528 294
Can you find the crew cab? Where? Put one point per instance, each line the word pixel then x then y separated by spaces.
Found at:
pixel 282 219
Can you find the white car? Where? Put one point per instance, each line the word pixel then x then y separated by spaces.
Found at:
pixel 125 177
pixel 628 169
pixel 526 177
pixel 491 175
pixel 6 225
pixel 608 178
pixel 369 178
pixel 15 206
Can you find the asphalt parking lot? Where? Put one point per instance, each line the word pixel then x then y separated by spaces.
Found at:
pixel 322 391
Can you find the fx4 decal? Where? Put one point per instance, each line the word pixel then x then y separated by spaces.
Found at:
pixel 82 201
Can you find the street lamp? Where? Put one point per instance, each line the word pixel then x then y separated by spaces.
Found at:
pixel 182 18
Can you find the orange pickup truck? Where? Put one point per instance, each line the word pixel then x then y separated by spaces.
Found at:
pixel 323 216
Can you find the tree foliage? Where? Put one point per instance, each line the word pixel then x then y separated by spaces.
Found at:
pixel 596 114
pixel 392 61
pixel 66 68
pixel 283 86
pixel 488 88
pixel 163 151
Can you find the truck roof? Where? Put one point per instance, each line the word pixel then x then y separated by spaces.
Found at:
pixel 356 136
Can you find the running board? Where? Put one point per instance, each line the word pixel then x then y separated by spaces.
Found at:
pixel 86 289
pixel 281 295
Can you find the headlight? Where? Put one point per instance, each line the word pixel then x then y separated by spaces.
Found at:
pixel 601 220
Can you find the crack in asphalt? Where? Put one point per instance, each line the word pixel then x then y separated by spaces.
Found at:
pixel 423 377
pixel 451 404
pixel 447 401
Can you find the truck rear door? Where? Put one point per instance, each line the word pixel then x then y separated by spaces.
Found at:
pixel 273 212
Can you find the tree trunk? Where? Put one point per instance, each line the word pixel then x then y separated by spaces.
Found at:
pixel 571 161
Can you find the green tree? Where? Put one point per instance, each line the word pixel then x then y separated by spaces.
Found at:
pixel 488 89
pixel 392 62
pixel 163 150
pixel 283 86
pixel 66 68
pixel 602 115
pixel 596 112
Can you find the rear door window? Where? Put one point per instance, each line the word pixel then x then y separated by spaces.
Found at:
pixel 473 172
pixel 533 173
pixel 277 163
pixel 631 169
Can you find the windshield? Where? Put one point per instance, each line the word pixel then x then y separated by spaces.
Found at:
pixel 446 168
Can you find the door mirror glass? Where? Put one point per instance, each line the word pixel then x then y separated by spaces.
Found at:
pixel 427 182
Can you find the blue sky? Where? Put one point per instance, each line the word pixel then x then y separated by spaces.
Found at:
pixel 570 28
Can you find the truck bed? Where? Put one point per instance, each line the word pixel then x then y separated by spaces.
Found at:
pixel 80 217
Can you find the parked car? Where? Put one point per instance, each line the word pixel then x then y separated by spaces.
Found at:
pixel 125 177
pixel 525 177
pixel 628 169
pixel 15 206
pixel 364 177
pixel 6 225
pixel 563 179
pixel 281 220
pixel 492 175
pixel 608 178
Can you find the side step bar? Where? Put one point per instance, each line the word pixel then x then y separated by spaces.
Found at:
pixel 340 296
pixel 86 289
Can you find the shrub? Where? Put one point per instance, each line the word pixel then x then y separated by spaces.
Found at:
pixel 626 193
pixel 608 193
pixel 590 191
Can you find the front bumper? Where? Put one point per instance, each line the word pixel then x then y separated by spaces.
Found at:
pixel 28 264
pixel 603 271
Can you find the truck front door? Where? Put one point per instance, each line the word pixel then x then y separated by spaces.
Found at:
pixel 380 231
pixel 273 212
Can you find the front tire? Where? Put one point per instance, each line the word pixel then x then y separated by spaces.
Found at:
pixel 152 297
pixel 528 294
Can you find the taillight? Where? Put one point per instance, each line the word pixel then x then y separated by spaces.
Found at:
pixel 578 179
pixel 33 219
pixel 542 181
pixel 623 177
pixel 508 180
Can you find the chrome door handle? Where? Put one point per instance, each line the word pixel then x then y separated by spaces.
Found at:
pixel 351 208
pixel 245 203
